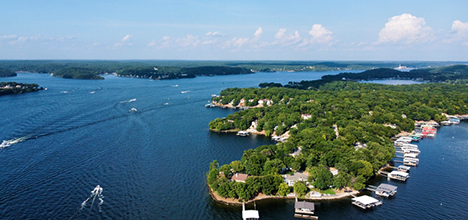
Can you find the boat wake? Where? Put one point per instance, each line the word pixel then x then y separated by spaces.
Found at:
pixel 7 143
pixel 96 193
pixel 131 100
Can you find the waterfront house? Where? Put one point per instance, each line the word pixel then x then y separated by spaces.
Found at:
pixel 293 178
pixel 239 177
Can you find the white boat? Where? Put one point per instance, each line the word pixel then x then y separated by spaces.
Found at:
pixel 243 133
pixel 133 110
pixel 5 144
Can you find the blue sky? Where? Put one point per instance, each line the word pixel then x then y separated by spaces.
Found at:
pixel 235 30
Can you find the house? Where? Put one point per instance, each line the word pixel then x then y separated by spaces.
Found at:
pixel 293 178
pixel 239 177
pixel 333 170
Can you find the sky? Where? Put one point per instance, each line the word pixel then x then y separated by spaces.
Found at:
pixel 397 30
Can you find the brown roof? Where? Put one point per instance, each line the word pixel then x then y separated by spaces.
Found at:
pixel 239 177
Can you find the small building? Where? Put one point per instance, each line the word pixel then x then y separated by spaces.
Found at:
pixel 304 207
pixel 386 190
pixel 403 168
pixel 293 178
pixel 333 170
pixel 249 214
pixel 239 177
pixel 365 202
pixel 306 116
pixel 398 175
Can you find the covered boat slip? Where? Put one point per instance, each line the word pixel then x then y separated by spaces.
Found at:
pixel 386 190
pixel 404 168
pixel 304 209
pixel 398 175
pixel 249 214
pixel 365 202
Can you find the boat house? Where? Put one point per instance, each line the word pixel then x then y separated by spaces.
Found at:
pixel 249 214
pixel 403 168
pixel 398 175
pixel 365 202
pixel 304 210
pixel 386 190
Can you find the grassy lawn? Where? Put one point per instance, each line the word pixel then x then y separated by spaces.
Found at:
pixel 328 191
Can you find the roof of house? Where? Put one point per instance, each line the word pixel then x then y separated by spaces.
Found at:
pixel 366 200
pixel 239 177
pixel 296 176
pixel 386 188
pixel 304 205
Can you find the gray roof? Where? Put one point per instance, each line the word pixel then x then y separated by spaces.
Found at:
pixel 386 188
pixel 304 205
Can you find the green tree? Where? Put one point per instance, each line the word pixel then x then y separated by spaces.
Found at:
pixel 283 189
pixel 300 188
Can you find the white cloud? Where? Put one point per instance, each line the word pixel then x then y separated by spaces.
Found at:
pixel 234 42
pixel 125 41
pixel 258 33
pixel 459 33
pixel 286 39
pixel 126 38
pixel 167 41
pixel 405 29
pixel 320 34
pixel 214 34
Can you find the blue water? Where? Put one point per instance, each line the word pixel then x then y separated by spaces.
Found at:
pixel 152 163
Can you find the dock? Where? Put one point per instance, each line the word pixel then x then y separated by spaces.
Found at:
pixel 365 202
pixel 304 209
pixel 249 214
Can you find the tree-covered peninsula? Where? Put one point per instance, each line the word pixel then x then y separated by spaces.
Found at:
pixel 6 73
pixel 343 124
pixel 78 73
pixel 448 74
pixel 17 88
pixel 174 72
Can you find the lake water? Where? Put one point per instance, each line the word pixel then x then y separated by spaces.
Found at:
pixel 152 163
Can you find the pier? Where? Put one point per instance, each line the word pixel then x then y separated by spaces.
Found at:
pixel 365 202
pixel 249 214
pixel 304 209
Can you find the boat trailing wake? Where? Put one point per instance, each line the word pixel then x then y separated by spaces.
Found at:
pixel 96 193
pixel 7 143
pixel 131 100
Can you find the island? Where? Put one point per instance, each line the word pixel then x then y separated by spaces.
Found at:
pixel 7 88
pixel 332 138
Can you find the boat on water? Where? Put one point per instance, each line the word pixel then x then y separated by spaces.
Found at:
pixel 210 105
pixel 132 110
pixel 243 133
pixel 184 91
pixel 5 144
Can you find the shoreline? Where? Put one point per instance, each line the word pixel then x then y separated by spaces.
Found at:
pixel 231 201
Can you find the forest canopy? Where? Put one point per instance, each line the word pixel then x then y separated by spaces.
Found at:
pixel 360 112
